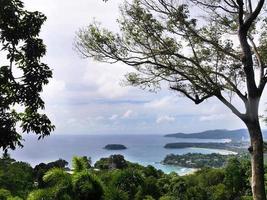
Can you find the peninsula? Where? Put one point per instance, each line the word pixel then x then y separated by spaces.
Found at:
pixel 197 160
pixel 235 147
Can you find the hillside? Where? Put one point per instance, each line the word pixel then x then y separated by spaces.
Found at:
pixel 226 146
pixel 234 135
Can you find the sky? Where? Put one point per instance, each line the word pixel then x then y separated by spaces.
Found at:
pixel 87 97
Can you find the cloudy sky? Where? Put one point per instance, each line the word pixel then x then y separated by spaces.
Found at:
pixel 86 97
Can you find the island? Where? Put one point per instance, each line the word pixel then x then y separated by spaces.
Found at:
pixel 115 147
pixel 196 160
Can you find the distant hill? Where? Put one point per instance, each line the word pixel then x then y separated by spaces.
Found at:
pixel 234 135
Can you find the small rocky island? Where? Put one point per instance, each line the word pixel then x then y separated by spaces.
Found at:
pixel 115 147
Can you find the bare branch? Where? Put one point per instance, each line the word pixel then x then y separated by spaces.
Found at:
pixel 253 15
pixel 231 107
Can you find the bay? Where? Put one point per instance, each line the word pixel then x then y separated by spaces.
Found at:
pixel 142 149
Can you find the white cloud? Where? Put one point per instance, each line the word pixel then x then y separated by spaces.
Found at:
pixel 162 103
pixel 106 79
pixel 72 121
pixel 54 89
pixel 212 117
pixel 165 118
pixel 114 117
pixel 127 114
pixel 98 118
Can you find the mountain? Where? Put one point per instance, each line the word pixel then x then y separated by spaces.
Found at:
pixel 234 135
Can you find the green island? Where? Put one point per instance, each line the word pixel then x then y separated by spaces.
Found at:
pixel 197 160
pixel 115 147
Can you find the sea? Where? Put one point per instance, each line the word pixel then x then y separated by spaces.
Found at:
pixel 142 149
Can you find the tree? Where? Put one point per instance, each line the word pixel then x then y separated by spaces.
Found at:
pixel 234 177
pixel 128 180
pixel 17 177
pixel 112 162
pixel 87 186
pixel 217 55
pixel 117 161
pixel 23 76
pixel 151 188
pixel 113 193
pixel 40 170
pixel 219 192
pixel 59 186
pixel 81 163
pixel 4 194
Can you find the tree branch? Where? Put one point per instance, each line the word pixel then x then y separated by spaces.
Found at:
pixel 231 107
pixel 253 15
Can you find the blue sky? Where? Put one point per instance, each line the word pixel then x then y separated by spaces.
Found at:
pixel 86 97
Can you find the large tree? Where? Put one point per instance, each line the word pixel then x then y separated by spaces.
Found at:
pixel 200 48
pixel 22 74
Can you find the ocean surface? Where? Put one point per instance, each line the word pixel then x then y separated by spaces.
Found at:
pixel 142 149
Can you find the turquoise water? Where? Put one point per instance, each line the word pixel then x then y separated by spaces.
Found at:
pixel 143 149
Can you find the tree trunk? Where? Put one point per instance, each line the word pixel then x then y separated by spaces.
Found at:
pixel 257 162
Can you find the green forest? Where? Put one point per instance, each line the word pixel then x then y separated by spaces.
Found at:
pixel 114 178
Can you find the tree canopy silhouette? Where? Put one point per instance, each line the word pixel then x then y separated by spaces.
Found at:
pixel 200 48
pixel 22 74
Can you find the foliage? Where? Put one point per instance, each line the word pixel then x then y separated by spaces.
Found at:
pixel 112 162
pixel 135 182
pixel 59 186
pixel 59 179
pixel 42 168
pixel 151 187
pixel 197 160
pixel 166 198
pixel 113 193
pixel 87 186
pixel 17 177
pixel 81 163
pixel 4 194
pixel 164 42
pixel 234 177
pixel 128 180
pixel 23 49
pixel 62 186
pixel 219 192
pixel 45 194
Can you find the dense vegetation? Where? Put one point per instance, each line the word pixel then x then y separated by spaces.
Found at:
pixel 236 147
pixel 197 160
pixel 124 181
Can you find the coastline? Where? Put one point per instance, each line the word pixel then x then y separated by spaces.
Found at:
pixel 142 149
